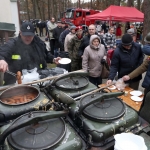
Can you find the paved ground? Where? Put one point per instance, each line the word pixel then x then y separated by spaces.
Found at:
pixel 104 81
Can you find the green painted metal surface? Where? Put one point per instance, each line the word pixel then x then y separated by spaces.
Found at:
pixel 72 93
pixel 71 140
pixel 7 26
pixel 146 139
pixel 99 131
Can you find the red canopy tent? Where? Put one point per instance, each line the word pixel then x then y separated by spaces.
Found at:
pixel 118 13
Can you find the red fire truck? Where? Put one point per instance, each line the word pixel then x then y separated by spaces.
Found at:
pixel 77 16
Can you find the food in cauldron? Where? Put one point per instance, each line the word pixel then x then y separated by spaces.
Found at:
pixel 19 99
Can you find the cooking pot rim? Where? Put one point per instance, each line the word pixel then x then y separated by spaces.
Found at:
pixel 17 86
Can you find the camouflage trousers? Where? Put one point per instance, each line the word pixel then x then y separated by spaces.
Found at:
pixel 76 64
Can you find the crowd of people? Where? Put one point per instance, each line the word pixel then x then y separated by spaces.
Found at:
pixel 87 49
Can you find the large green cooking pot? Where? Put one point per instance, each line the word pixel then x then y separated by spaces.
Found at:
pixel 12 111
pixel 40 131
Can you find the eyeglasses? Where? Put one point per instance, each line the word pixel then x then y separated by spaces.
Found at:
pixel 91 29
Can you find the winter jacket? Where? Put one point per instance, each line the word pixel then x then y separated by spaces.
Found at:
pixel 92 57
pixel 73 48
pixel 145 66
pixel 51 26
pixel 85 42
pixel 67 41
pixel 141 69
pixel 109 40
pixel 21 56
pixel 56 34
pixel 125 61
pixel 63 36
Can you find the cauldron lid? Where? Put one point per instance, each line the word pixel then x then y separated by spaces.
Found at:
pixel 39 136
pixel 72 83
pixel 106 111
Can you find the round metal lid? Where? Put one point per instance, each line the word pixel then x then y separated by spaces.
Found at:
pixel 105 111
pixel 38 136
pixel 74 82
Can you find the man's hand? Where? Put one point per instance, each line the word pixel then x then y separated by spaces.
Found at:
pixel 126 78
pixel 109 82
pixel 3 66
pixel 56 60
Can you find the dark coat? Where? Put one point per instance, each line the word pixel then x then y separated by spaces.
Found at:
pixel 85 42
pixel 146 81
pixel 125 61
pixel 20 56
pixel 56 34
pixel 62 37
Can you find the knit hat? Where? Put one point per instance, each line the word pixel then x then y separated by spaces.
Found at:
pixel 72 27
pixel 131 31
pixel 79 27
pixel 69 23
pixel 27 29
pixel 147 38
pixel 126 39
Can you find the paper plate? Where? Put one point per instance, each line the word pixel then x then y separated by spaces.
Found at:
pixel 136 93
pixel 64 61
pixel 136 98
pixel 112 87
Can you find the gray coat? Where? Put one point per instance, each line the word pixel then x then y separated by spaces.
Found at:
pixel 92 57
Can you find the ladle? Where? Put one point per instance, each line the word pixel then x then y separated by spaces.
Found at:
pixel 13 74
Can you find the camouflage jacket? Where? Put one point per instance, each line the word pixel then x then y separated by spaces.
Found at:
pixel 73 48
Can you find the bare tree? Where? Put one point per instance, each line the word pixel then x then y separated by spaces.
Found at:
pixel 117 2
pixel 130 3
pixel 27 7
pixel 43 10
pixel 48 5
pixel 34 8
pixel 139 4
pixel 146 11
pixel 91 4
pixel 39 10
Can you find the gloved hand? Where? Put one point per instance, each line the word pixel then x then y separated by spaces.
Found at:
pixel 103 61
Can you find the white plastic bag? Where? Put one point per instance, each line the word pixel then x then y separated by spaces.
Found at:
pixel 129 141
pixel 120 85
pixel 29 75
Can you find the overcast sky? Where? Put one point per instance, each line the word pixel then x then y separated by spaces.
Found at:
pixel 74 1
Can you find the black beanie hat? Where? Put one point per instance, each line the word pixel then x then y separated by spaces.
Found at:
pixel 126 39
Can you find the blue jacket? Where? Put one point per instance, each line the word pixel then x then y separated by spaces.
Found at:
pixel 62 38
pixel 125 61
pixel 146 81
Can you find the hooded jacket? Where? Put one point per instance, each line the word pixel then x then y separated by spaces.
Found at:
pixel 92 57
pixel 86 41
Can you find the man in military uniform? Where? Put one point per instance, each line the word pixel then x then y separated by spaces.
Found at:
pixel 27 51
pixel 73 50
